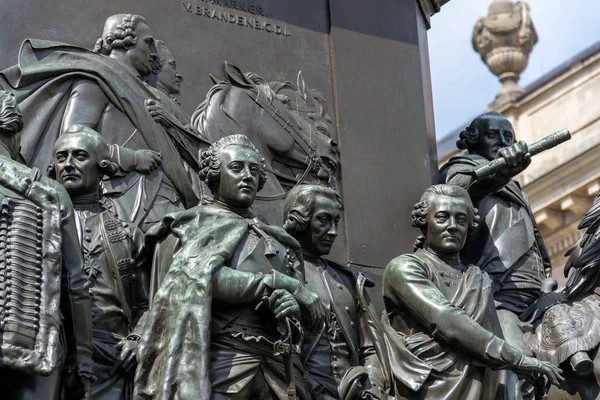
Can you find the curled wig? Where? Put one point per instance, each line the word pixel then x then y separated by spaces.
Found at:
pixel 422 209
pixel 300 203
pixel 210 161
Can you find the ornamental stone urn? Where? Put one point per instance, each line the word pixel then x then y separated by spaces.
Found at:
pixel 504 39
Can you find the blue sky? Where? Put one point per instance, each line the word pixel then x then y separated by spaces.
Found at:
pixel 462 84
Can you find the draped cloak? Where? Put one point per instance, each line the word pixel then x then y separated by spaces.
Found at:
pixel 42 81
pixel 174 358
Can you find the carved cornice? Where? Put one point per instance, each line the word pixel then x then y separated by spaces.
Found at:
pixel 560 199
pixel 580 174
pixel 558 244
pixel 430 7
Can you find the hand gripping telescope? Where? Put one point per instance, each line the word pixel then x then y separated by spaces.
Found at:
pixel 544 144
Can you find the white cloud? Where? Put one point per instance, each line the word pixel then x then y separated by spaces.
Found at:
pixel 462 84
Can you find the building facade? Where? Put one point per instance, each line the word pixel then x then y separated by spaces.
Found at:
pixel 562 182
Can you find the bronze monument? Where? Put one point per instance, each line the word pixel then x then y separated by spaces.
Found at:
pixel 508 244
pixel 114 261
pixel 45 316
pixel 289 123
pixel 441 327
pixel 226 292
pixel 167 112
pixel 342 359
pixel 567 322
pixel 168 79
pixel 66 85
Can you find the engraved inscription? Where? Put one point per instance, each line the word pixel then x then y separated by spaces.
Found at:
pixel 248 22
pixel 239 5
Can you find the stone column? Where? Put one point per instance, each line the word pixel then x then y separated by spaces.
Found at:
pixel 383 101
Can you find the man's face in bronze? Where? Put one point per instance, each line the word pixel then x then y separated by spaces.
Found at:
pixel 168 76
pixel 140 55
pixel 447 224
pixel 239 176
pixel 318 238
pixel 495 133
pixel 76 164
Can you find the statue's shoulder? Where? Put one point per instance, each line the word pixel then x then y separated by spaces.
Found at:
pixel 355 276
pixel 56 189
pixel 406 265
pixel 339 267
pixel 41 44
pixel 468 158
pixel 5 189
pixel 185 224
pixel 278 233
pixel 465 159
pixel 461 163
pixel 24 180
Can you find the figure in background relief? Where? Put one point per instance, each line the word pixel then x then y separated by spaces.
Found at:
pixel 62 85
pixel 226 294
pixel 168 80
pixel 342 359
pixel 168 112
pixel 288 122
pixel 45 316
pixel 441 328
pixel 113 257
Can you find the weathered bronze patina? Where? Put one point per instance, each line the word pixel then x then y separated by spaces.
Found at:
pixel 226 289
pixel 113 257
pixel 508 245
pixel 168 112
pixel 168 79
pixel 567 326
pixel 289 123
pixel 45 316
pixel 441 327
pixel 104 89
pixel 342 360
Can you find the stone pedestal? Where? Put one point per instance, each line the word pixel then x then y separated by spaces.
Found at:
pixel 370 59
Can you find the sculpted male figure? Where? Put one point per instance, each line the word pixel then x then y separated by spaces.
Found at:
pixel 343 353
pixel 219 320
pixel 45 305
pixel 168 79
pixel 508 245
pixel 113 261
pixel 104 90
pixel 441 327
pixel 168 112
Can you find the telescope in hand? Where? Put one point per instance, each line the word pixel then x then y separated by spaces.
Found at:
pixel 544 144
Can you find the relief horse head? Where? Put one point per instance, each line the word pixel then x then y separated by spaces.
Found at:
pixel 288 123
